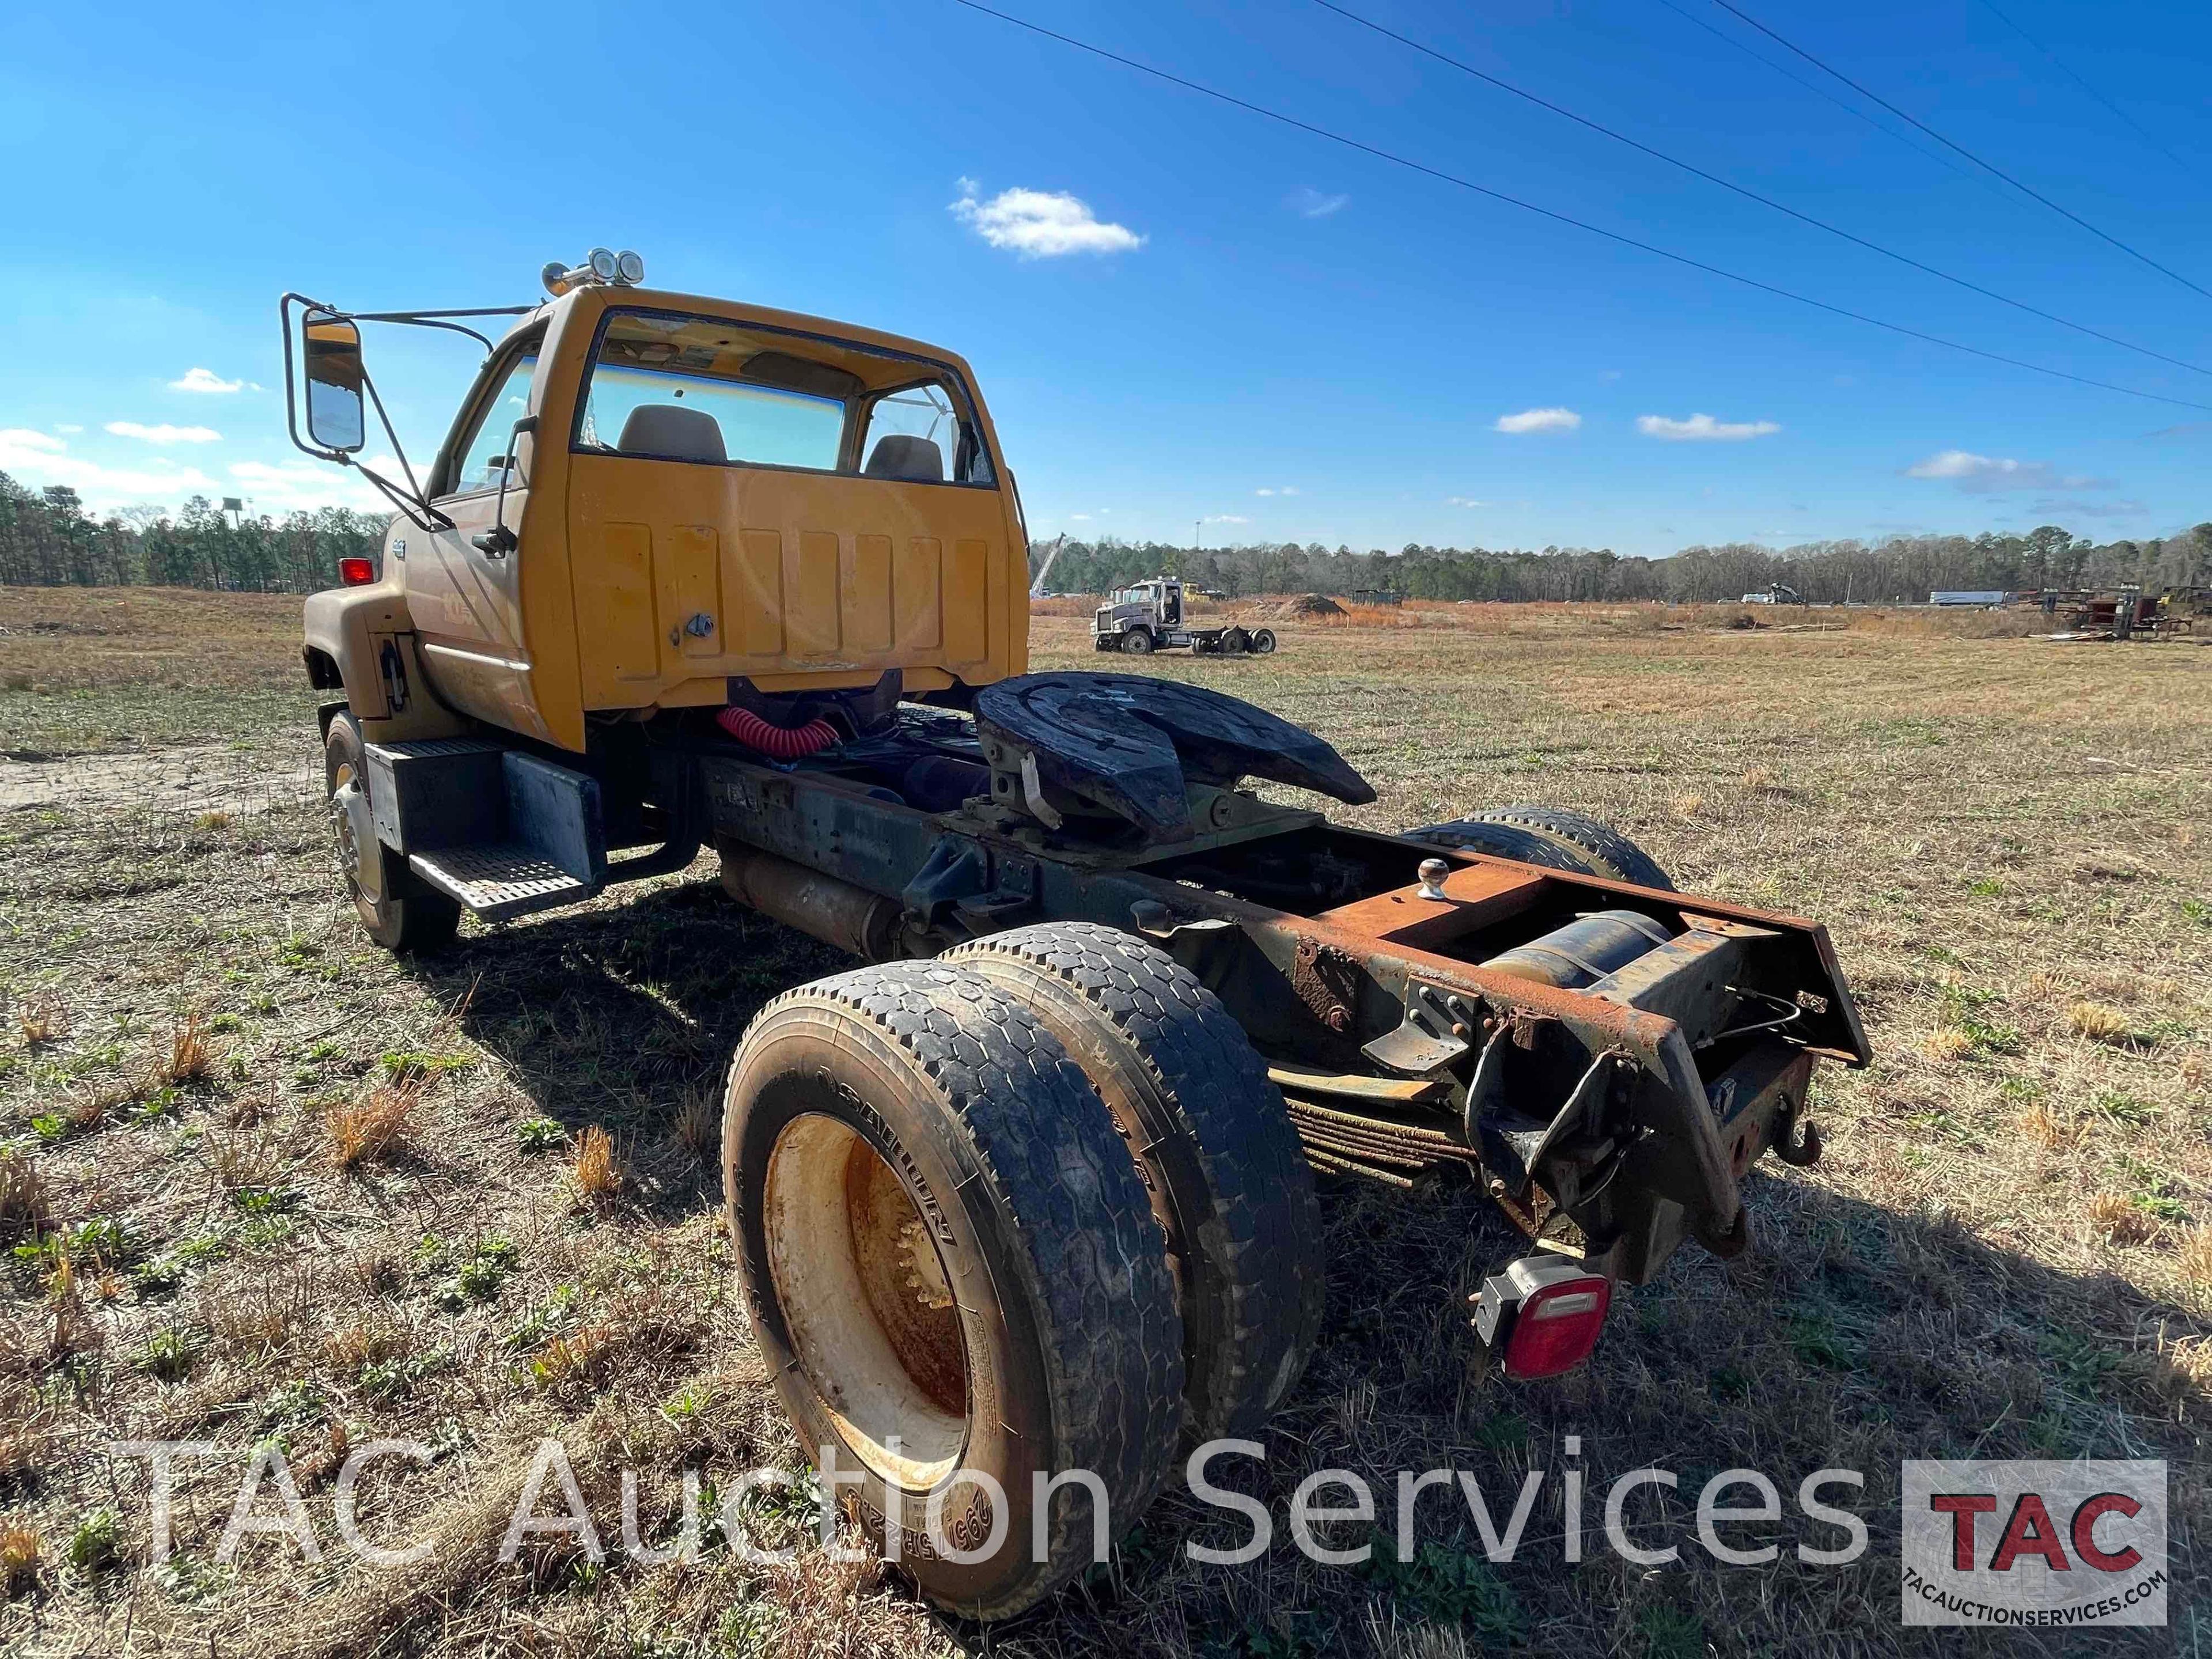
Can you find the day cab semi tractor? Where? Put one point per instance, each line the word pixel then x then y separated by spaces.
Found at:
pixel 1032 1189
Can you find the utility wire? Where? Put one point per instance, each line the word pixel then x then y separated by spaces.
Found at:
pixel 1753 195
pixel 1986 167
pixel 1844 105
pixel 2064 69
pixel 1561 218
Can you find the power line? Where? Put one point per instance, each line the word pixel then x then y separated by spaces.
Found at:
pixel 1819 91
pixel 1753 195
pixel 2026 189
pixel 2086 87
pixel 1562 218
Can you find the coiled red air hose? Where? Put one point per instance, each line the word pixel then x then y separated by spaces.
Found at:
pixel 780 742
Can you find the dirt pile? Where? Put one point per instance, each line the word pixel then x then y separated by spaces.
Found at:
pixel 1305 604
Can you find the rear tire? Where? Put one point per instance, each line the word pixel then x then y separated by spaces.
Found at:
pixel 1220 1162
pixel 951 1267
pixel 1236 643
pixel 1554 838
pixel 1138 642
pixel 1263 640
pixel 418 921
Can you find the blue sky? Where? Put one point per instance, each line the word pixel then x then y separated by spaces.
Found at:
pixel 1230 321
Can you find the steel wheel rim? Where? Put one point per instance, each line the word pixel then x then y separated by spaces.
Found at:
pixel 865 1299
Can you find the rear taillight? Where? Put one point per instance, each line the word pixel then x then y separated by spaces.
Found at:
pixel 357 573
pixel 1542 1316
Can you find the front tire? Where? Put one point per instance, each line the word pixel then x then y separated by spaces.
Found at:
pixel 1138 642
pixel 417 921
pixel 952 1270
pixel 1209 1133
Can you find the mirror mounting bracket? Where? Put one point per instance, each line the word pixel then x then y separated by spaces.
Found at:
pixel 408 498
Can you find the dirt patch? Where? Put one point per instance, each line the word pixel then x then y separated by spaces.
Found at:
pixel 186 781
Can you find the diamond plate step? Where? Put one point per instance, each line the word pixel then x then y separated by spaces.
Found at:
pixel 499 881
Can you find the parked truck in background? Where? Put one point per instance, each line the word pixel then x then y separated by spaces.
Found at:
pixel 1151 616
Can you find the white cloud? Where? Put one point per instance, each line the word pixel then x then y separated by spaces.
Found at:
pixel 281 486
pixel 206 380
pixel 1226 518
pixel 69 427
pixel 1463 501
pixel 1539 420
pixel 1041 224
pixel 1078 518
pixel 1703 429
pixel 1986 475
pixel 164 433
pixel 1315 204
pixel 35 458
pixel 1287 489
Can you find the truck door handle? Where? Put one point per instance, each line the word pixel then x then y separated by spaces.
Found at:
pixel 496 543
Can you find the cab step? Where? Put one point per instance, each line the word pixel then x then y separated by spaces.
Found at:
pixel 502 832
pixel 507 879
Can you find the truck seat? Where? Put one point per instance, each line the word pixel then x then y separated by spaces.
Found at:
pixel 680 434
pixel 903 455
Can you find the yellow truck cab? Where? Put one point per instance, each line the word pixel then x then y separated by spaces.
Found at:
pixel 646 496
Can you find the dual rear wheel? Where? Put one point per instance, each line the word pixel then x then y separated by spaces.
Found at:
pixel 1013 1226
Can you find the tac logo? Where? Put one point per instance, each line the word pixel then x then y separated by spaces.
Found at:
pixel 2034 1543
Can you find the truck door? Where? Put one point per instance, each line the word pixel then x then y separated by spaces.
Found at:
pixel 464 585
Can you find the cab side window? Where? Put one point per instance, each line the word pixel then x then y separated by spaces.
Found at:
pixel 483 456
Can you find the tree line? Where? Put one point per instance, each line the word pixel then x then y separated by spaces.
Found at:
pixel 47 539
pixel 1896 569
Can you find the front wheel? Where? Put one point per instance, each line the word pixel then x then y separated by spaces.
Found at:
pixel 419 920
pixel 1138 642
pixel 954 1276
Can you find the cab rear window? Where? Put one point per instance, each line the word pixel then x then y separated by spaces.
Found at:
pixel 705 390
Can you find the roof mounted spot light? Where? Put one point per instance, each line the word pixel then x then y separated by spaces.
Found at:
pixel 601 266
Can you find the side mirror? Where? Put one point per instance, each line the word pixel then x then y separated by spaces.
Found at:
pixel 331 349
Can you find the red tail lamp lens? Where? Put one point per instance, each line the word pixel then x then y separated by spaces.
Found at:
pixel 1557 1327
pixel 357 573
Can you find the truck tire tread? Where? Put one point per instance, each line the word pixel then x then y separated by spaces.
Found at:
pixel 1251 1216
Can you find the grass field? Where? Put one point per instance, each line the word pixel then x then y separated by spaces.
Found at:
pixel 264 1184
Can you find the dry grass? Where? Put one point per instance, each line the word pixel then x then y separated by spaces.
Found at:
pixel 380 1124
pixel 21 1550
pixel 698 1125
pixel 2099 1020
pixel 2192 1258
pixel 2004 1252
pixel 42 1020
pixel 23 1202
pixel 597 1171
pixel 189 1053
